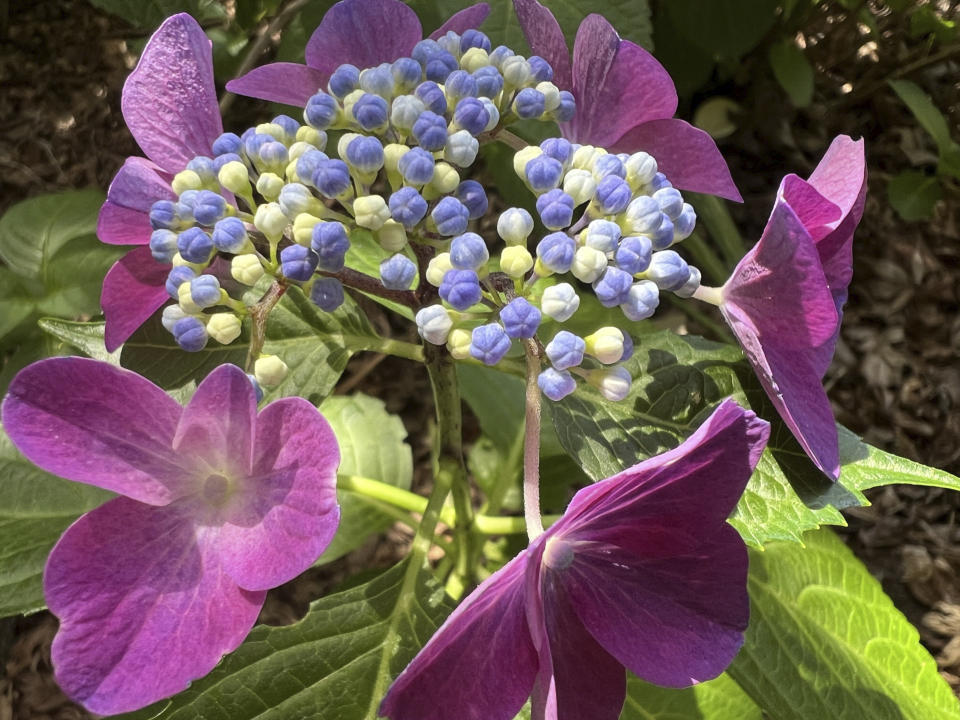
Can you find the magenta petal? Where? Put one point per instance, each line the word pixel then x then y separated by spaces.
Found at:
pixel 364 33
pixel 133 290
pixel 617 84
pixel 98 424
pixel 124 218
pixel 169 100
pixel 686 155
pixel 546 39
pixel 285 513
pixel 282 82
pixel 144 609
pixel 479 665
pixel 468 18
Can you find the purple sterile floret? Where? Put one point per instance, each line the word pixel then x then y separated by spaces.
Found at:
pixel 489 343
pixel 520 318
pixel 616 583
pixel 565 350
pixel 298 262
pixel 555 208
pixel 407 206
pixel 460 288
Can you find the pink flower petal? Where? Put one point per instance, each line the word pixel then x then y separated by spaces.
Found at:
pixel 469 18
pixel 282 82
pixel 133 290
pixel 479 665
pixel 686 155
pixel 169 100
pixel 546 39
pixel 364 33
pixel 285 514
pixel 98 424
pixel 124 218
pixel 144 608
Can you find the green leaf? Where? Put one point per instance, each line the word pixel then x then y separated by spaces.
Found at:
pixel 913 195
pixel 87 337
pixel 335 664
pixel 35 509
pixel 926 113
pixel 371 446
pixel 722 28
pixel 718 699
pixel 826 641
pixel 793 71
pixel 149 14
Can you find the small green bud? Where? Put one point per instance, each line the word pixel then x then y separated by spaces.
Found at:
pixel 474 59
pixel 303 226
pixel 186 300
pixel 458 343
pixel 392 236
pixel 270 370
pixel 516 261
pixel 186 180
pixel 585 156
pixel 522 157
pixel 245 269
pixel 269 185
pixel 606 345
pixel 224 327
pixel 437 267
pixel 312 136
pixel 270 220
pixel 445 180
pixel 235 177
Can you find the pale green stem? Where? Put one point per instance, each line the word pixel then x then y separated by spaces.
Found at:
pixel 711 295
pixel 531 445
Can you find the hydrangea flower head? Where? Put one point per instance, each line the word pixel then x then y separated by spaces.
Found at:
pixel 217 504
pixel 641 572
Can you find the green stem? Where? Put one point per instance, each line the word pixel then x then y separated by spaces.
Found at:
pixel 531 445
pixel 506 525
pixel 508 138
pixel 259 314
pixel 387 346
pixel 706 258
pixel 716 217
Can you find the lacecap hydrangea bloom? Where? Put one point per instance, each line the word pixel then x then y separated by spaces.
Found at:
pixel 642 572
pixel 217 504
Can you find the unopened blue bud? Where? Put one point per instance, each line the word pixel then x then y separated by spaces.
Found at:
pixel 370 111
pixel 417 166
pixel 365 154
pixel 613 195
pixel 489 81
pixel 407 74
pixel 460 84
pixel 405 111
pixel 627 347
pixel 397 272
pixel 474 39
pixel 691 285
pixel 176 277
pixel 331 178
pixel 289 125
pixel 603 235
pixel 228 142
pixel 607 165
pixel 327 293
pixel 468 252
pixel 556 384
pixel 424 49
pixel 471 194
pixel 407 206
pixel 560 301
pixel 461 149
pixel 208 207
pixel 670 201
pixel 434 324
pixel 344 80
pixel 298 262
pixel 659 182
pixel 565 350
pixel 195 245
pixel 684 223
pixel 634 253
pixel 258 391
pixel 230 235
pixel 568 107
pixel 529 103
pixel 613 287
pixel 668 270
pixel 543 173
pixel 520 319
pixel 555 208
pixel 489 343
pixel 432 96
pixel 378 80
pixel 203 167
pixel 296 199
pixel 471 115
pixel 253 142
pixel 220 160
pixel 460 288
pixel 190 334
pixel 662 237
pixel 450 216
pixel 558 148
pixel 440 65
pixel 205 291
pixel 555 252
pixel 642 301
pixel 542 71
pixel 171 314
pixel 330 242
pixel 321 111
pixel 163 215
pixel 643 215
pixel 499 54
pixel 450 41
pixel 307 164
pixel 430 131
pixel 163 245
pixel 273 156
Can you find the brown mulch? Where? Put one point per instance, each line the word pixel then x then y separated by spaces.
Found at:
pixel 895 379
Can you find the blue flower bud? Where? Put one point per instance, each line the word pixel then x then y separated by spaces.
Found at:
pixel 450 216
pixel 190 334
pixel 607 165
pixel 684 223
pixel 474 39
pixel 489 343
pixel 613 287
pixel 641 301
pixel 559 149
pixel 203 167
pixel 195 245
pixel 670 201
pixel 613 383
pixel 370 111
pixel 556 384
pixel 460 84
pixel 344 80
pixel 431 95
pixel 555 252
pixel 603 235
pixel 424 50
pixel 529 103
pixel 205 291
pixel 439 66
pixel 471 194
pixel 417 166
pixel 289 125
pixel 627 347
pixel 176 277
pixel 272 156
pixel 230 235
pixel 163 245
pixel 298 262
pixel 543 173
pixel 171 314
pixel 228 142
pixel 407 206
pixel 407 74
pixel 434 324
pixel 542 72
pixel 460 288
pixel 321 111
pixel 163 215
pixel 555 208
pixel 567 108
pixel 258 391
pixel 560 301
pixel 613 195
pixel 659 182
pixel 378 80
pixel 327 293
pixel 295 199
pixel 397 272
pixel 220 160
pixel 643 215
pixel 514 225
pixel 667 269
pixel 489 81
pixel 499 54
pixel 520 319
pixel 331 178
pixel 330 242
pixel 662 237
pixel 461 149
pixel 468 252
pixel 208 207
pixel 253 142
pixel 471 115
pixel 307 164
pixel 405 111
pixel 430 131
pixel 633 254
pixel 565 350
pixel 365 154
pixel 450 41
pixel 691 285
